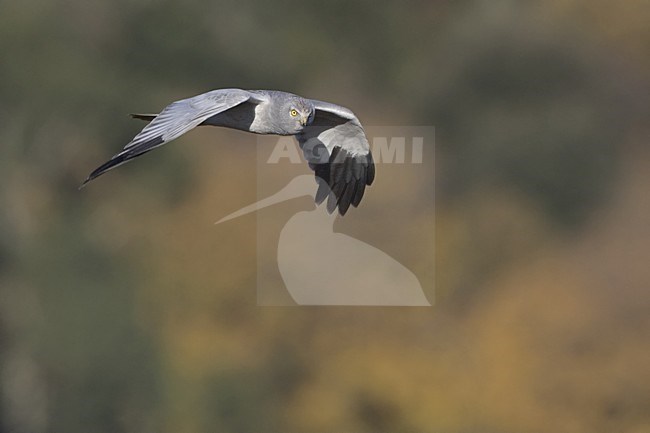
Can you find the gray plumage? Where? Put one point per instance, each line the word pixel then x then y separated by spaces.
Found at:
pixel 330 136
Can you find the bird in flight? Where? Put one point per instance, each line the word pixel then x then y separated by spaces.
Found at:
pixel 331 137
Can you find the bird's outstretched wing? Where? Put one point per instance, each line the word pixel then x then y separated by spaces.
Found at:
pixel 175 120
pixel 336 148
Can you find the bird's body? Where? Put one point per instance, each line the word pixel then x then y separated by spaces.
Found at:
pixel 331 137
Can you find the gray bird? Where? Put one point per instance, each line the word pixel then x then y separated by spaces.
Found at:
pixel 330 136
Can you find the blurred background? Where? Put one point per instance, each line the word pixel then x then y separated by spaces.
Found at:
pixel 123 309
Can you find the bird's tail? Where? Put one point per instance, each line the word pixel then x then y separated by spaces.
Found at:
pixel 147 117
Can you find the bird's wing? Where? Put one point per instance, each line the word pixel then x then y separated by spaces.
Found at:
pixel 336 148
pixel 175 120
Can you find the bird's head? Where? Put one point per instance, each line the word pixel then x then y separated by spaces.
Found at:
pixel 298 113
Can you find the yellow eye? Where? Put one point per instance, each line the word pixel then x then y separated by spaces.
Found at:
pixel 294 113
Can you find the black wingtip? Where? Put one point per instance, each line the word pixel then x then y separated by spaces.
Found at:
pixel 85 182
pixel 343 179
pixel 370 173
pixel 108 165
pixel 123 157
pixel 95 174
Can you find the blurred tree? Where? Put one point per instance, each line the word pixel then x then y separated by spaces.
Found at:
pixel 110 299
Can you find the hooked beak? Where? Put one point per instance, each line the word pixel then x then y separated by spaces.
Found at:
pixel 303 120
